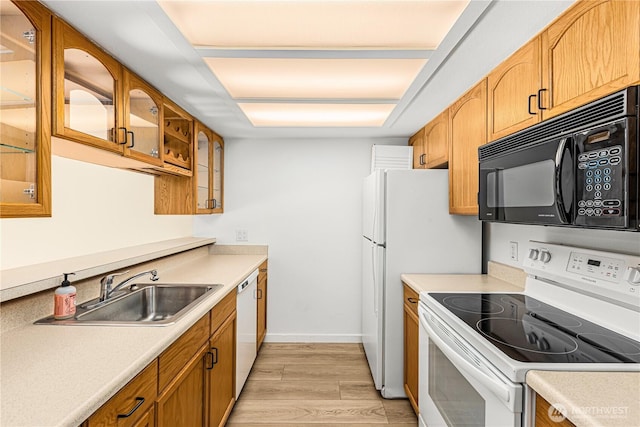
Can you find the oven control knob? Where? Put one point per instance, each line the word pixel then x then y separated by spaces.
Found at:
pixel 543 344
pixel 633 276
pixel 533 254
pixel 532 338
pixel 545 256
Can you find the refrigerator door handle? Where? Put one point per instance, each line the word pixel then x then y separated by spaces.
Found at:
pixel 375 285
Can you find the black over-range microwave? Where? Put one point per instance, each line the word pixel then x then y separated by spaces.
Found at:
pixel 579 169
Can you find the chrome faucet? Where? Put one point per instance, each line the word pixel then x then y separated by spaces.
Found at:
pixel 107 281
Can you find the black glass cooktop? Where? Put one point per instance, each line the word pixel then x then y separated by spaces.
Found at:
pixel 529 330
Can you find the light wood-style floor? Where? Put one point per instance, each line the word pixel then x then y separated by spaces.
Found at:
pixel 315 385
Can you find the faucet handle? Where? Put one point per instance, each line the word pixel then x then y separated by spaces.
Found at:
pixel 108 279
pixel 154 275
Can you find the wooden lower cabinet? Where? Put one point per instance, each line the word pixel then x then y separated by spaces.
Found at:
pixel 131 404
pixel 262 303
pixel 183 401
pixel 543 415
pixel 148 419
pixel 411 336
pixel 192 382
pixel 221 373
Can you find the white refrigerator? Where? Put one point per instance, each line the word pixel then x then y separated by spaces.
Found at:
pixel 406 229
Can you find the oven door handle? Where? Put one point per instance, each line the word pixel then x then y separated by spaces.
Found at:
pixel 497 387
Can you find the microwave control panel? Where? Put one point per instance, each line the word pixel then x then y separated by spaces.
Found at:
pixel 600 192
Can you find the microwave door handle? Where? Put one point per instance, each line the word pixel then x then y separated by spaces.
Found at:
pixel 497 387
pixel 559 161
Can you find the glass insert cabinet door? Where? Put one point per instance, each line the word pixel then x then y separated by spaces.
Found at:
pixel 25 85
pixel 203 169
pixel 218 174
pixel 143 115
pixel 208 176
pixel 87 82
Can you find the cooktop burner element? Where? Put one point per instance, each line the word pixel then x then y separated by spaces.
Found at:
pixel 528 330
pixel 473 305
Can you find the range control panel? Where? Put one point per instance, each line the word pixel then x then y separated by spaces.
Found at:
pixel 609 269
pixel 612 275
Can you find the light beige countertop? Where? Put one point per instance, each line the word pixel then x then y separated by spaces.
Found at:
pixel 458 283
pixel 591 399
pixel 53 375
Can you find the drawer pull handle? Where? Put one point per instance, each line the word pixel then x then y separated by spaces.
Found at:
pixel 140 401
pixel 412 300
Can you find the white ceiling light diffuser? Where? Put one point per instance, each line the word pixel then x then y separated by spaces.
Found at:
pixel 299 24
pixel 316 115
pixel 295 63
pixel 316 78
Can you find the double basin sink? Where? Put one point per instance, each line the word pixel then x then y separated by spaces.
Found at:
pixel 145 305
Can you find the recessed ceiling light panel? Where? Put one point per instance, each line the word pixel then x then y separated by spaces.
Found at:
pixel 315 78
pixel 381 24
pixel 316 115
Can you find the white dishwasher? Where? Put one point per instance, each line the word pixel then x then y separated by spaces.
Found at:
pixel 246 329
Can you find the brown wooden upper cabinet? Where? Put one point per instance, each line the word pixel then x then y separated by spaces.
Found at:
pixel 25 110
pixel 468 131
pixel 591 51
pixel 178 139
pixel 513 90
pixel 436 141
pixel 417 142
pixel 142 117
pixel 100 103
pixel 207 182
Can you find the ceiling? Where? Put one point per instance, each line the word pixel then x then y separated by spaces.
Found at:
pixel 195 56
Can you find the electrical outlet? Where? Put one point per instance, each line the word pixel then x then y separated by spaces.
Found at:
pixel 242 235
pixel 513 251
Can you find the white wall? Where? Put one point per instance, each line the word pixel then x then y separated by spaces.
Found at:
pixel 499 236
pixel 303 199
pixel 95 208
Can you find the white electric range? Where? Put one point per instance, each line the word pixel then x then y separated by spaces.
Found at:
pixel 580 311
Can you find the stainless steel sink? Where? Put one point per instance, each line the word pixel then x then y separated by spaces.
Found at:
pixel 148 305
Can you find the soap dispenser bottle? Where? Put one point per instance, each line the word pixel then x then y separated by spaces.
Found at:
pixel 64 305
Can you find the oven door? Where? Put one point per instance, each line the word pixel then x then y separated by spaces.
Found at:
pixel 532 185
pixel 457 385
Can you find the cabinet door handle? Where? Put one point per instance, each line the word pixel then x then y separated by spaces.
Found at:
pixel 212 358
pixel 412 300
pixel 259 293
pixel 125 135
pixel 540 107
pixel 133 139
pixel 533 113
pixel 422 159
pixel 214 203
pixel 140 401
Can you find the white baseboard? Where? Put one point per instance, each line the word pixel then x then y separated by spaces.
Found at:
pixel 337 338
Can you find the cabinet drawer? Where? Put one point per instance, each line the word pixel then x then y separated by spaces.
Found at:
pixel 411 298
pixel 222 310
pixel 173 359
pixel 131 403
pixel 262 271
